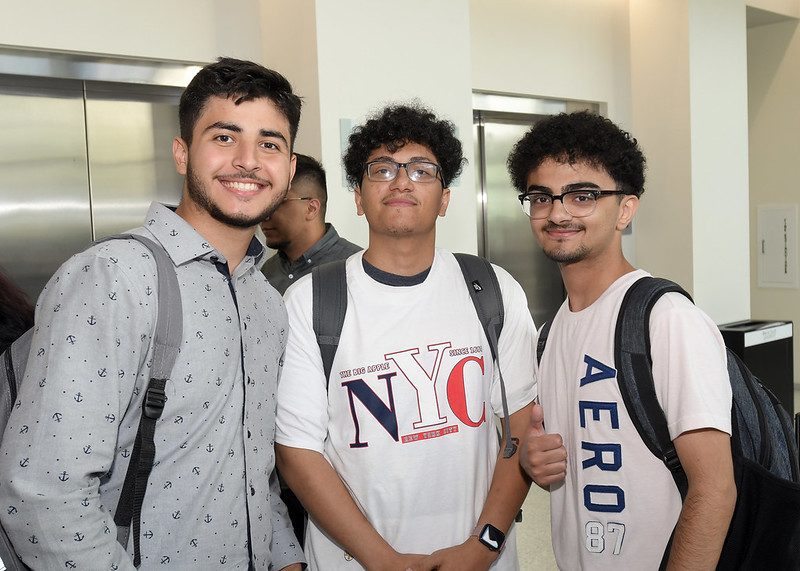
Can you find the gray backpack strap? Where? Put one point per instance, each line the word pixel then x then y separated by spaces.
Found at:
pixel 328 314
pixel 484 289
pixel 166 340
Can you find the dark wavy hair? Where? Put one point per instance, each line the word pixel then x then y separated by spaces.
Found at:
pixel 240 81
pixel 16 312
pixel 579 137
pixel 394 127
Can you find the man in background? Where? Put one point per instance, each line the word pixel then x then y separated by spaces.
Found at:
pixel 297 229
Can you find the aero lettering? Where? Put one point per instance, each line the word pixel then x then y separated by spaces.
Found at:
pixel 606 457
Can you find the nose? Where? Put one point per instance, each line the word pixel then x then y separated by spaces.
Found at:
pixel 402 181
pixel 557 211
pixel 246 159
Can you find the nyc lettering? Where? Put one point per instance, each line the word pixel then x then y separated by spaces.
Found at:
pixel 430 420
pixel 606 457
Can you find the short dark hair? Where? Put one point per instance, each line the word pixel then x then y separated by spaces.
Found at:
pixel 240 81
pixel 397 125
pixel 309 168
pixel 579 137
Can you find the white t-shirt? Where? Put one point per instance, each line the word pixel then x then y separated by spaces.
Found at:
pixel 619 504
pixel 408 420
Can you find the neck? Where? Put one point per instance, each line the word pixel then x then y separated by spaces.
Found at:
pixel 585 281
pixel 299 245
pixel 402 256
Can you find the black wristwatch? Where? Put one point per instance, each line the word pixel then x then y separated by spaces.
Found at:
pixel 490 536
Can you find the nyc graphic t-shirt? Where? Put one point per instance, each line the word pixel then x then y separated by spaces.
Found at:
pixel 408 418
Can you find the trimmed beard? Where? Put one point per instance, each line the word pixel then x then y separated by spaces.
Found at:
pixel 200 196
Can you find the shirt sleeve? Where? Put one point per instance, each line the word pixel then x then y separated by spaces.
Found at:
pixel 302 418
pixel 284 548
pixel 92 333
pixel 689 367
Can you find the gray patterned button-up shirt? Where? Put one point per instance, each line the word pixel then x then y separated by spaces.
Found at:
pixel 212 500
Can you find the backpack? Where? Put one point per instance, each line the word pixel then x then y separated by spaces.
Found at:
pixel 166 339
pixel 765 528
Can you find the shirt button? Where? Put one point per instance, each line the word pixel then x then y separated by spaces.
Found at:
pixel 252 491
pixel 249 435
pixel 291 276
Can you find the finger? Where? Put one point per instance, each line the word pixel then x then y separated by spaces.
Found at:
pixel 536 424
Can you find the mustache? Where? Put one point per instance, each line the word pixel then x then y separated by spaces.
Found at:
pixel 246 175
pixel 570 226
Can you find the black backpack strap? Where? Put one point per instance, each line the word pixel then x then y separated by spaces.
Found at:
pixel 328 314
pixel 166 340
pixel 484 289
pixel 541 340
pixel 635 371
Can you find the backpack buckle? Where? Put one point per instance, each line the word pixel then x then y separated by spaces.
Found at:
pixel 672 461
pixel 154 399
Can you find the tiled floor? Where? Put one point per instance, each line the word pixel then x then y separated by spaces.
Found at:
pixel 533 533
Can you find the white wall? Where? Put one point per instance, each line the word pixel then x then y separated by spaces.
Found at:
pixel 183 30
pixel 773 57
pixel 373 52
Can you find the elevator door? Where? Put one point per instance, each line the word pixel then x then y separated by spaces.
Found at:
pixel 79 160
pixel 505 233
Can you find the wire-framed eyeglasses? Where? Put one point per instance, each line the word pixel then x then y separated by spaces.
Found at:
pixel 418 171
pixel 577 203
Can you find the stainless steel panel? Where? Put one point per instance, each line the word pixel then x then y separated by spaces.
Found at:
pixel 507 239
pixel 130 133
pixel 44 199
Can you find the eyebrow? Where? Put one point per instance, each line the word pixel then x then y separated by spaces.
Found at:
pixel 565 188
pixel 411 160
pixel 233 127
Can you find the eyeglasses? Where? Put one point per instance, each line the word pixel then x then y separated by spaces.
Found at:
pixel 418 171
pixel 577 203
pixel 288 198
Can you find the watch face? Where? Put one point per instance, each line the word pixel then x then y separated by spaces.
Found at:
pixel 492 537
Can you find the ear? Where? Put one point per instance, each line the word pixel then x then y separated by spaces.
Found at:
pixel 627 208
pixel 180 152
pixel 293 166
pixel 312 208
pixel 357 198
pixel 445 201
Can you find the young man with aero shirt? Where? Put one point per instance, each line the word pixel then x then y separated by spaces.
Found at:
pixel 396 456
pixel 614 505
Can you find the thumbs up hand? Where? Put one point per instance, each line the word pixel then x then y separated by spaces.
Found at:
pixel 543 455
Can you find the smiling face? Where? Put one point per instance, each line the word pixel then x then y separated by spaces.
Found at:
pixel 239 164
pixel 570 240
pixel 402 207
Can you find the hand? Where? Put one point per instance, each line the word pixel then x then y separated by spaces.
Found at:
pixel 471 555
pixel 543 455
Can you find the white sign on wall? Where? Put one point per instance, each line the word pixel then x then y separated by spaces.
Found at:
pixel 777 246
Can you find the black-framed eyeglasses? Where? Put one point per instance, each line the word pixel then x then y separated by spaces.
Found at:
pixel 288 198
pixel 418 171
pixel 577 203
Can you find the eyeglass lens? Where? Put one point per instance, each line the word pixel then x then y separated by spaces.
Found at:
pixel 418 171
pixel 577 203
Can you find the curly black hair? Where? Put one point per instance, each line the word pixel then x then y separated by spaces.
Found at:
pixel 239 80
pixel 394 127
pixel 579 137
